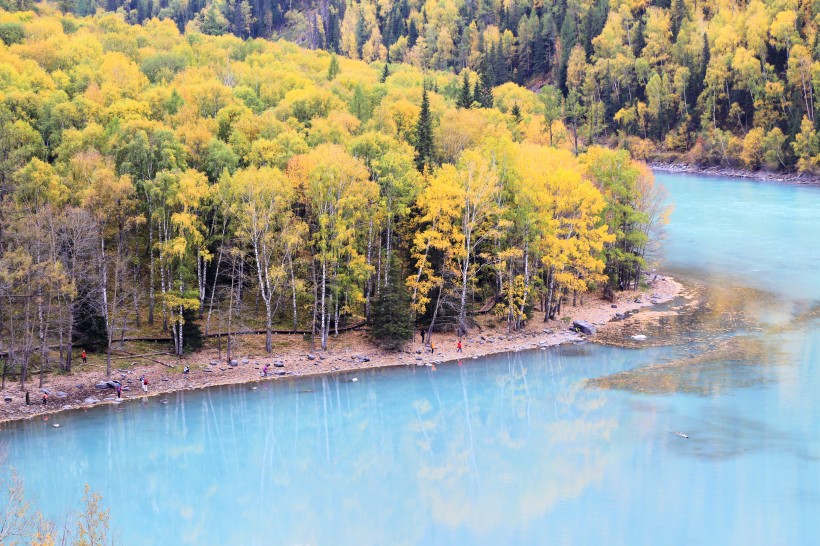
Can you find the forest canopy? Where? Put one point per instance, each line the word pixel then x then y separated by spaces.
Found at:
pixel 182 183
pixel 710 82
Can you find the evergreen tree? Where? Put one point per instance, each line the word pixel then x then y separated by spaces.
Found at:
pixel 465 98
pixel 392 324
pixel 334 31
pixel 89 330
pixel 485 91
pixel 361 35
pixel 412 34
pixel 214 23
pixel 500 69
pixel 424 134
pixel 540 63
pixel 678 14
pixel 191 332
pixel 333 69
pixel 695 87
pixel 385 73
pixel 489 65
pixel 516 113
pixel 477 91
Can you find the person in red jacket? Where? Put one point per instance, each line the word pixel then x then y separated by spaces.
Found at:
pixel 84 356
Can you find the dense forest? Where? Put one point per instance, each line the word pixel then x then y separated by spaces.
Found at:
pixel 714 82
pixel 168 184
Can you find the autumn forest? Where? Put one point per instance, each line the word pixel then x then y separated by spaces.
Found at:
pixel 176 184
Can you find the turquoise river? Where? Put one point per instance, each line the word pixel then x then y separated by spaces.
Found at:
pixel 573 445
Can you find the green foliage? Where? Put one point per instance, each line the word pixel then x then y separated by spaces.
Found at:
pixel 515 112
pixel 669 73
pixel 221 157
pixel 12 33
pixel 465 97
pixel 333 69
pixel 191 332
pixel 167 171
pixel 392 325
pixel 214 21
pixel 162 67
pixel 424 134
pixel 89 327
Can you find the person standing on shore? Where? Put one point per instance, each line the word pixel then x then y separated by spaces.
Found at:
pixel 432 347
pixel 459 346
pixel 144 384
pixel 265 371
pixel 28 401
pixel 45 398
pixel 421 331
pixel 119 391
pixel 84 357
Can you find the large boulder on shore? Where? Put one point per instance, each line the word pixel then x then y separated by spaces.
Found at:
pixel 584 327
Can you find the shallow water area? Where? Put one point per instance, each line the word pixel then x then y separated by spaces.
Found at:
pixel 570 445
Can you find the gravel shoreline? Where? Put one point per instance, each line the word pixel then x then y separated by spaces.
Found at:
pixel 729 172
pixel 350 352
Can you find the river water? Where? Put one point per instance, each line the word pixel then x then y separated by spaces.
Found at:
pixel 573 445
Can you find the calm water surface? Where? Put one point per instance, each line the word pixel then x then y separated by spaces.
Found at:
pixel 510 449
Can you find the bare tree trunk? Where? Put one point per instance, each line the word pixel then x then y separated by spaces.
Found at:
pixel 151 297
pixel 293 293
pixel 216 277
pixel 465 270
pixel 315 307
pixel 105 309
pixel 368 287
pixel 550 293
pixel 435 314
pixel 42 336
pixel 135 289
pixel 324 313
pixel 526 296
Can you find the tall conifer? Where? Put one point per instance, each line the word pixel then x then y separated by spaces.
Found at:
pixel 424 134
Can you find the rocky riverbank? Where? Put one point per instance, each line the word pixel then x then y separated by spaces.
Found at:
pixel 347 353
pixel 769 176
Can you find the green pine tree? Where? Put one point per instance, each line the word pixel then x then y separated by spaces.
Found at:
pixel 485 92
pixel 333 70
pixel 214 23
pixel 361 35
pixel 516 113
pixel 385 73
pixel 465 99
pixel 424 134
pixel 191 332
pixel 477 91
pixel 392 324
pixel 678 14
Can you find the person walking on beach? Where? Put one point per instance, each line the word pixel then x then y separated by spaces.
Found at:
pixel 265 371
pixel 459 346
pixel 84 357
pixel 421 331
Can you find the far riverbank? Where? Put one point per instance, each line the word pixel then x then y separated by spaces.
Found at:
pixel 348 353
pixel 729 172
